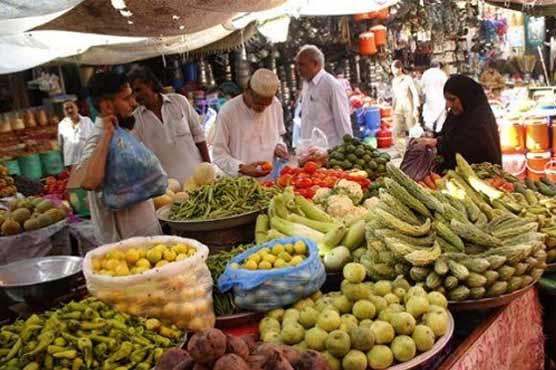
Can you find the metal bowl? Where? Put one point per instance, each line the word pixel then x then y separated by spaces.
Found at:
pixel 40 280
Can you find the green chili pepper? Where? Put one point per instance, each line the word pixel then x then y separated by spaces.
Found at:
pixel 48 362
pixel 32 366
pixel 77 364
pixel 70 354
pixel 14 350
pixel 124 351
pixel 85 345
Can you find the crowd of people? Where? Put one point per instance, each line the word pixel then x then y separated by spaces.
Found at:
pixel 249 128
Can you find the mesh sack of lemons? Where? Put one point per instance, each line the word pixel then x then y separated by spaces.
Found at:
pixel 274 274
pixel 163 277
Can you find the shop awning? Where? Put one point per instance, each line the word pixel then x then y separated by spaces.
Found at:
pixel 533 7
pixel 344 7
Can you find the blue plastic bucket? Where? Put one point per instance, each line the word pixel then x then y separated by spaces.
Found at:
pixel 372 118
pixel 360 115
pixel 190 72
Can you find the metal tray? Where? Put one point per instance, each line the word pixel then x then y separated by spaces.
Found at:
pixel 487 303
pixel 238 319
pixel 209 225
pixel 425 356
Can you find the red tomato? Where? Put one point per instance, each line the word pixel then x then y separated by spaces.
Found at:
pixel 308 193
pixel 303 183
pixel 310 167
pixel 268 184
pixel 284 180
pixel 286 170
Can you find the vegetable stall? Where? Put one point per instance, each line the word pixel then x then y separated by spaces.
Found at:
pixel 358 273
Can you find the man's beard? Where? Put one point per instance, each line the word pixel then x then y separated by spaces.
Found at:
pixel 127 123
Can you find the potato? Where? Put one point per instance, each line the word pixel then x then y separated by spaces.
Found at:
pixel 230 361
pixel 185 365
pixel 237 346
pixel 251 340
pixel 256 362
pixel 277 361
pixel 207 346
pixel 312 360
pixel 172 358
pixel 200 367
pixel 291 354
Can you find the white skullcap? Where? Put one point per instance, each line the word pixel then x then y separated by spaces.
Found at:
pixel 264 83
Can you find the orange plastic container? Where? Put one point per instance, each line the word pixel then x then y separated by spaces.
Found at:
pixel 363 16
pixel 554 136
pixel 536 164
pixel 512 136
pixel 515 164
pixel 537 134
pixel 382 14
pixel 380 35
pixel 550 170
pixel 367 44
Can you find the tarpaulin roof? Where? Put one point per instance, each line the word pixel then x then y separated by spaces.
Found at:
pixel 534 7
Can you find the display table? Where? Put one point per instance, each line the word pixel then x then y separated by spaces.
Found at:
pixel 84 235
pixel 510 338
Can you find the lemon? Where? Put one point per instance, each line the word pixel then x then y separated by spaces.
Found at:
pixel 154 255
pixel 111 264
pixel 265 265
pixel 264 251
pixel 191 251
pixel 234 265
pixel 255 258
pixel 270 258
pixel 143 262
pixel 141 253
pixel 115 254
pixel 181 256
pixel 300 247
pixel 169 255
pixel 296 260
pixel 97 264
pixel 279 263
pixel 285 256
pixel 121 269
pixel 289 248
pixel 161 263
pixel 277 249
pixel 180 248
pixel 132 256
pixel 160 247
pixel 251 265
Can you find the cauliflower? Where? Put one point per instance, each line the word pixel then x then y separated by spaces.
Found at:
pixel 339 205
pixel 350 188
pixel 321 195
pixel 370 203
pixel 356 214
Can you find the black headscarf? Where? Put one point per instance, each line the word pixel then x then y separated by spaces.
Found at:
pixel 473 133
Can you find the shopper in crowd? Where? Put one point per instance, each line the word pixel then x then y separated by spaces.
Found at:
pixel 113 98
pixel 434 109
pixel 73 132
pixel 470 128
pixel 324 102
pixel 405 101
pixel 249 128
pixel 492 80
pixel 168 125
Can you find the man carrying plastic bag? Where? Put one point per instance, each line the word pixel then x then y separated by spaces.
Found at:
pixel 118 210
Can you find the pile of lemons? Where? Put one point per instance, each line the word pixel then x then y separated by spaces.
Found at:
pixel 138 260
pixel 279 256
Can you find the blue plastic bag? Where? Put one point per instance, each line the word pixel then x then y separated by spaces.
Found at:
pixel 264 290
pixel 277 166
pixel 133 173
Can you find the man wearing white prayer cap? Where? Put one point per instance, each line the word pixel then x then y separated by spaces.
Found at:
pixel 249 128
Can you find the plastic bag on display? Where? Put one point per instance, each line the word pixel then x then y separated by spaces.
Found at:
pixel 314 149
pixel 133 173
pixel 417 160
pixel 179 292
pixel 277 167
pixel 264 290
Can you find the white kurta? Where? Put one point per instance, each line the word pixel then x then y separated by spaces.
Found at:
pixel 72 139
pixel 325 105
pixel 172 140
pixel 433 82
pixel 110 226
pixel 244 136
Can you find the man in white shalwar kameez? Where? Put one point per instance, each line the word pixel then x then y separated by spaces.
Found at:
pixel 249 128
pixel 434 109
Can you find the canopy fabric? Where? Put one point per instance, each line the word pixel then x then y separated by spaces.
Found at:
pixel 152 18
pixel 14 9
pixel 533 7
pixel 344 7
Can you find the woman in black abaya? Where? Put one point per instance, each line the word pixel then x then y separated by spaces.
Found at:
pixel 470 128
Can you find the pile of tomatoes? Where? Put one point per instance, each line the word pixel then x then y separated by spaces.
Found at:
pixel 308 179
pixel 56 185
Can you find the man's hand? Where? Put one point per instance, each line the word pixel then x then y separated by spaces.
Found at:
pixel 430 142
pixel 281 151
pixel 109 124
pixel 254 169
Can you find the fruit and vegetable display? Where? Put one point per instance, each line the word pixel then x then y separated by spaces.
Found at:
pixel 223 302
pixel 7 183
pixel 469 241
pixel 85 335
pixel 365 325
pixel 225 197
pixel 354 154
pixel 56 185
pixel 138 260
pixel 307 180
pixel 28 214
pixel 212 349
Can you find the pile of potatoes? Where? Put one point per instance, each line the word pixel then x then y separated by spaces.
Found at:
pixel 213 350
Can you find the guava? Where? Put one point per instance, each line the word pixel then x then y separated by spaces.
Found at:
pixel 308 317
pixel 334 363
pixel 383 287
pixel 301 346
pixel 323 302
pixel 349 321
pixel 416 290
pixel 354 360
pixel 329 320
pixel 272 337
pixel 386 315
pixel 342 304
pixel 316 338
pixel 277 314
pixel 291 315
pixel 437 299
pixel 417 305
pixel 399 292
pixel 380 357
pixel 403 323
pixel 403 348
pixel 438 322
pixel 379 302
pixel 392 298
pixel 400 282
pixel 396 307
pixel 364 309
pixel 362 338
pixel 383 331
pixel 354 272
pixel 338 343
pixel 423 336
pixel 435 308
pixel 366 323
pixel 292 333
pixel 269 324
pixel 301 304
pixel 354 292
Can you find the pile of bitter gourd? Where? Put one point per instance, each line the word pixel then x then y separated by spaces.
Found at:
pixel 468 241
pixel 85 335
